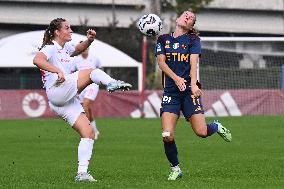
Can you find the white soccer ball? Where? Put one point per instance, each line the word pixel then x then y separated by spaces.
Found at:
pixel 150 25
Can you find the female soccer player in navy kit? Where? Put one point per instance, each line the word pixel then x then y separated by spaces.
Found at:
pixel 62 86
pixel 178 56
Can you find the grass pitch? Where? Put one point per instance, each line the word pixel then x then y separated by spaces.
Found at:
pixel 129 154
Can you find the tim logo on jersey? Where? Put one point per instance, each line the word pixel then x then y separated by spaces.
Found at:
pixel 180 57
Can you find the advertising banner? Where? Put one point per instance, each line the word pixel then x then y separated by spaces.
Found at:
pixel 22 104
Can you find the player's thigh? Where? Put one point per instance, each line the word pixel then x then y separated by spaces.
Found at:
pixel 191 105
pixel 84 79
pixel 82 126
pixel 62 94
pixel 192 109
pixel 169 121
pixel 91 91
pixel 170 111
pixel 70 111
pixel 87 104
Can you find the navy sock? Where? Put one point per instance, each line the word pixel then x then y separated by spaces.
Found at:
pixel 212 128
pixel 171 152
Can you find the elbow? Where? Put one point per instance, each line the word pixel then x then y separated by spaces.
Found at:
pixel 35 62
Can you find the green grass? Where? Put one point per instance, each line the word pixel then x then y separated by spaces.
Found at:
pixel 129 154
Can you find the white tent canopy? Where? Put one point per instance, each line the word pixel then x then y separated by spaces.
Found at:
pixel 18 51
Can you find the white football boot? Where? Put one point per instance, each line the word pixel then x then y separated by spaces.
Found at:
pixel 84 177
pixel 224 132
pixel 118 85
pixel 175 173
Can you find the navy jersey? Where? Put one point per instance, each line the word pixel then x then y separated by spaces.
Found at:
pixel 177 51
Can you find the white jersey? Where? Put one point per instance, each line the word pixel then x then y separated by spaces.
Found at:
pixel 81 63
pixel 60 58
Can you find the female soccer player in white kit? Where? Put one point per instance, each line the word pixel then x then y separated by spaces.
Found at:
pixel 89 94
pixel 62 86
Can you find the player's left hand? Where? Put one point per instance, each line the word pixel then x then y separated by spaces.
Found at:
pixel 195 90
pixel 91 35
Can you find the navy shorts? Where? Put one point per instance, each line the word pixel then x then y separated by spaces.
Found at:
pixel 176 101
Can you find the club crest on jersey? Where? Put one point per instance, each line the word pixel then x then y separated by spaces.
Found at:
pixel 167 46
pixel 159 47
pixel 183 46
pixel 175 45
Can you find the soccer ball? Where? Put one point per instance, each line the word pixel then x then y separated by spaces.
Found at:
pixel 150 25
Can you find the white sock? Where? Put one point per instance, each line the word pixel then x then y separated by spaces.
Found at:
pixel 94 126
pixel 85 149
pixel 100 77
pixel 95 129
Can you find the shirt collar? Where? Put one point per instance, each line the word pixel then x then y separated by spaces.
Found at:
pixel 57 45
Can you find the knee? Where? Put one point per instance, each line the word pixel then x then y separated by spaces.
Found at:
pixel 167 137
pixel 92 134
pixel 89 133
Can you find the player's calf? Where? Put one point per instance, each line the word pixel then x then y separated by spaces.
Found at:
pixel 202 132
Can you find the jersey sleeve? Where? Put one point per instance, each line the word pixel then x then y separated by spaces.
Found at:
pixel 195 47
pixel 160 46
pixel 47 50
pixel 70 48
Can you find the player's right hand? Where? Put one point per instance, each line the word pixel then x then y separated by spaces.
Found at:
pixel 60 78
pixel 180 82
pixel 91 35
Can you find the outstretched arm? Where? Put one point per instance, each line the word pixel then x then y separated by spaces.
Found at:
pixel 179 81
pixel 91 35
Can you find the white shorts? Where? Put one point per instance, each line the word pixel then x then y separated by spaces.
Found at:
pixel 70 111
pixel 90 92
pixel 63 99
pixel 60 95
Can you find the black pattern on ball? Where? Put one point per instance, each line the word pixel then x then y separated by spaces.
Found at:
pixel 151 32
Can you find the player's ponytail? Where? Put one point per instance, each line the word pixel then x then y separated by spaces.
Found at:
pixel 193 31
pixel 49 32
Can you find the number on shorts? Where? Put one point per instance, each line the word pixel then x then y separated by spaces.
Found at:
pixel 194 100
pixel 167 99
